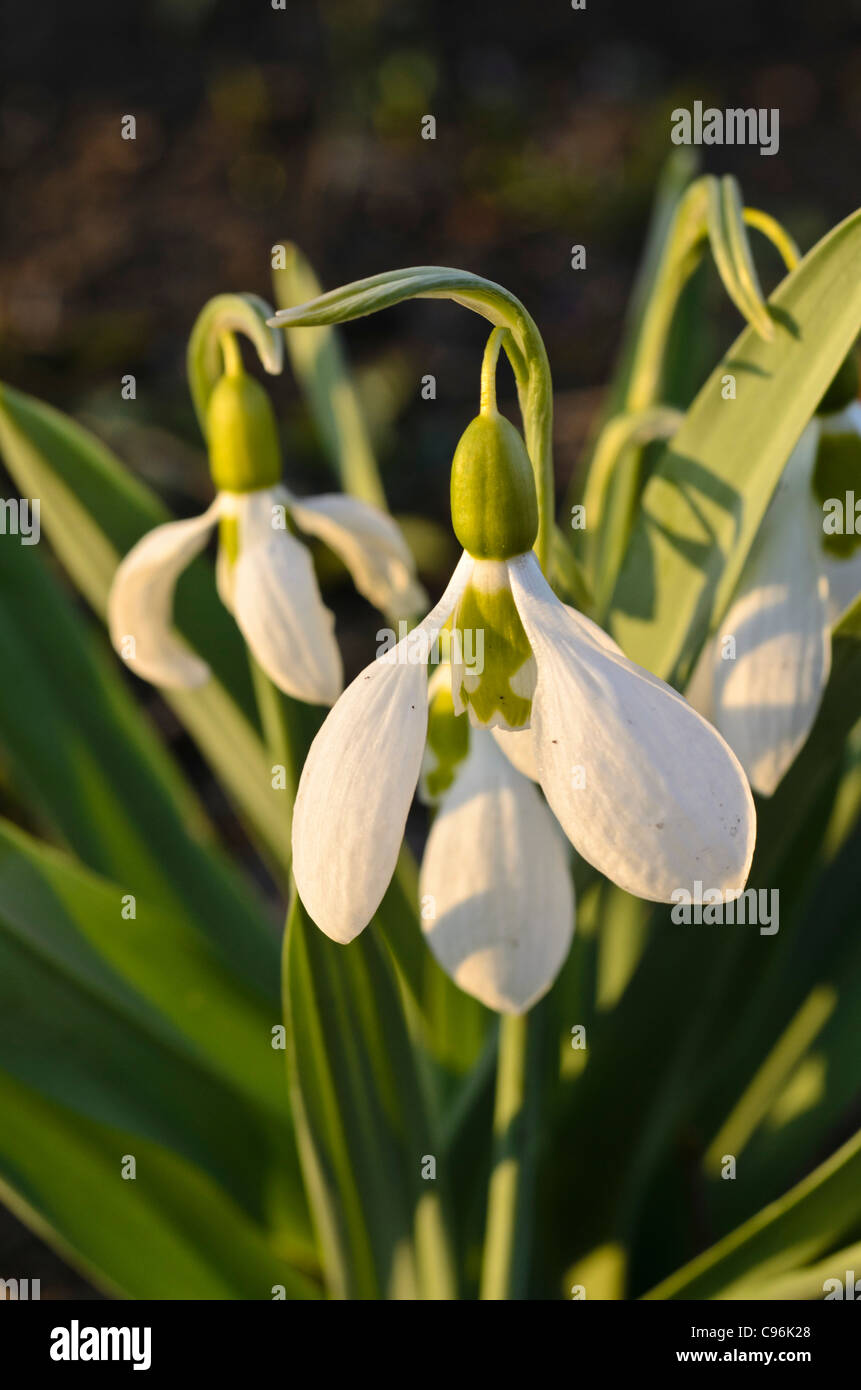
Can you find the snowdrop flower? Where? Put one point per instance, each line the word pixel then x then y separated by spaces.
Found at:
pixel 264 573
pixel 497 899
pixel 763 693
pixel 643 787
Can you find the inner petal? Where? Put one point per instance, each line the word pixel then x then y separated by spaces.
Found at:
pixel 493 669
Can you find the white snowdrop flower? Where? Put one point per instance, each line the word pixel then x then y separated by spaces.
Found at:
pixel 663 802
pixel 264 572
pixel 763 689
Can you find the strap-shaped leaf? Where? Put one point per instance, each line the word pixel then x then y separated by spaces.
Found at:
pixel 731 250
pixel 364 1136
pixel 133 1023
pixel 170 1233
pixel 702 507
pixel 89 766
pixel 811 1219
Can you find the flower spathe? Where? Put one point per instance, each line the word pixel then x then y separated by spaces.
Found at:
pixel 644 788
pixel 763 694
pixel 266 578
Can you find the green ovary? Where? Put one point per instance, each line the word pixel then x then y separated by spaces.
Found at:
pixel 487 628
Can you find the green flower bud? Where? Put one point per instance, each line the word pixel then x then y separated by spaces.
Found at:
pixel 843 389
pixel 494 509
pixel 244 453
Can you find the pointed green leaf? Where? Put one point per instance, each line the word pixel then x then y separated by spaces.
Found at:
pixel 702 507
pixel 363 1131
pixel 169 1233
pixel 811 1219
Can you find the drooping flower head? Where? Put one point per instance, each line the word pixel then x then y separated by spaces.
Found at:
pixel 642 786
pixel 264 572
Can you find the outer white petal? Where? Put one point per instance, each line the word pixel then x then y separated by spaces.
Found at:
pixel 643 787
pixel 372 547
pixel 767 697
pixel 224 578
pixel 495 874
pixel 700 691
pixel 140 604
pixel 278 607
pixel 359 778
pixel 519 746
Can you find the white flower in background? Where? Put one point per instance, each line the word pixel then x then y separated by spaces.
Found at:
pixel 764 694
pixel 264 573
pixel 497 898
pixel 642 786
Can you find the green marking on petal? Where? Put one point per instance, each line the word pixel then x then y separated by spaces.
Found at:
pixel 494 672
pixel 447 743
pixel 228 537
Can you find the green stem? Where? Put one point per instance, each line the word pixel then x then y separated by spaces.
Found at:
pixel 279 744
pixel 211 346
pixel 230 353
pixel 506 1240
pixel 322 370
pixel 527 353
pixel 777 235
pixel 488 371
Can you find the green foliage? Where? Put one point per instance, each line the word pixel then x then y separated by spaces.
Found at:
pixel 140 992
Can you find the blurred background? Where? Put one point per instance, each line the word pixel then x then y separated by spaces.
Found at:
pixel 256 125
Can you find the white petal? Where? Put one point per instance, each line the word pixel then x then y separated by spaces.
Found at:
pixel 372 547
pixel 140 604
pixel 496 890
pixel 766 699
pixel 643 787
pixel 277 604
pixel 359 778
pixel 518 745
pixel 700 689
pixel 224 578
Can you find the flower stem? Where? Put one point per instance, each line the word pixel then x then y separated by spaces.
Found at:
pixel 231 354
pixel 508 1226
pixel 488 371
pixel 279 744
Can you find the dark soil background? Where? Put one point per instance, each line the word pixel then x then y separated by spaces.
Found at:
pixel 255 125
